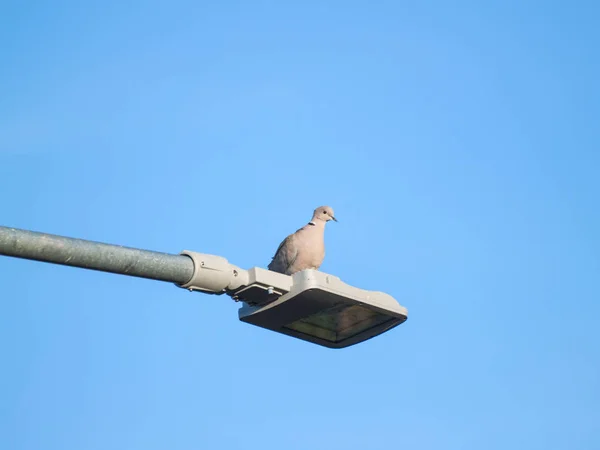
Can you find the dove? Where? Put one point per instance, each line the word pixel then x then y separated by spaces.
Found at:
pixel 304 249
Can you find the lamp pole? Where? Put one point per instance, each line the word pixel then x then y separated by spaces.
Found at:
pixel 209 274
pixel 95 255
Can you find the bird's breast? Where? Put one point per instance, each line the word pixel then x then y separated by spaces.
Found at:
pixel 312 249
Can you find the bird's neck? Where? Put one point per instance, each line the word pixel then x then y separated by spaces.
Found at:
pixel 316 224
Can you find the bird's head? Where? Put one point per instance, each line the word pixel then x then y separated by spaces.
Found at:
pixel 323 213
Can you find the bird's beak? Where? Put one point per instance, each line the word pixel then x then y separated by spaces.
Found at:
pixel 334 218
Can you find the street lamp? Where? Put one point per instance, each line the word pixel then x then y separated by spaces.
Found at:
pixel 309 305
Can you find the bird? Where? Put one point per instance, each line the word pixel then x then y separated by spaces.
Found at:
pixel 304 249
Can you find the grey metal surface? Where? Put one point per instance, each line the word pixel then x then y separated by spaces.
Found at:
pixel 322 309
pixel 95 255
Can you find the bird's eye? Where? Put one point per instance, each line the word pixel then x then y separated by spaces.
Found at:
pixel 324 212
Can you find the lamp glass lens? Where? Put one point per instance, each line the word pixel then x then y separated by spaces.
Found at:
pixel 339 322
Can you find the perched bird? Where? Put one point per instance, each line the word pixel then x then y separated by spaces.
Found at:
pixel 305 249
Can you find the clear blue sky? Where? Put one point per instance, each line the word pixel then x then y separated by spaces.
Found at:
pixel 456 141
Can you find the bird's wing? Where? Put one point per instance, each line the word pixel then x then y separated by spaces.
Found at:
pixel 284 256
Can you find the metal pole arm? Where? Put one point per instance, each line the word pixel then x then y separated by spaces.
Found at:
pixel 95 255
pixel 194 271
